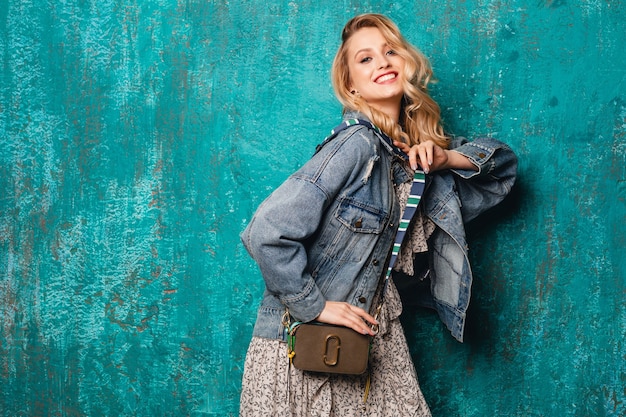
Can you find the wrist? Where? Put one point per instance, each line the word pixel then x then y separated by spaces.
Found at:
pixel 457 160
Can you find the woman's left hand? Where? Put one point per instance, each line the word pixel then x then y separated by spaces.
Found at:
pixel 427 155
pixel 432 157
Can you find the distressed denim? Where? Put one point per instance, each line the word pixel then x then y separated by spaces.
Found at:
pixel 325 233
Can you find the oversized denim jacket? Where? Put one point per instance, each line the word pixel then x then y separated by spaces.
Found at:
pixel 326 232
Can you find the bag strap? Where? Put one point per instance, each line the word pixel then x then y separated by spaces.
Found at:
pixel 415 196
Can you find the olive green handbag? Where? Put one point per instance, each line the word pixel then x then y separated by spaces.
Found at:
pixel 320 347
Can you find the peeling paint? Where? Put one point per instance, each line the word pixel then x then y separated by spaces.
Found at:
pixel 137 138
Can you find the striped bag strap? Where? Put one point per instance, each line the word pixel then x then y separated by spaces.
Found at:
pixel 415 196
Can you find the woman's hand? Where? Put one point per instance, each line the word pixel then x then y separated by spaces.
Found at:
pixel 432 157
pixel 344 314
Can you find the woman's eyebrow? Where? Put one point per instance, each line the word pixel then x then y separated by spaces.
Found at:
pixel 383 46
pixel 362 50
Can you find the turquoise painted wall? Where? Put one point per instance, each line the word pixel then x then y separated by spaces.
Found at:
pixel 137 138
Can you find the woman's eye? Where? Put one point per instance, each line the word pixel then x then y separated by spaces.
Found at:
pixel 366 59
pixel 391 52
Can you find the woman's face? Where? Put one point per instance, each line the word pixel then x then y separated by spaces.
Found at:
pixel 376 71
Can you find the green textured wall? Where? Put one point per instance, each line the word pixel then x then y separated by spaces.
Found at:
pixel 137 138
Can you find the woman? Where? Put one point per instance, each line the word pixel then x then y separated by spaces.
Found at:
pixel 321 239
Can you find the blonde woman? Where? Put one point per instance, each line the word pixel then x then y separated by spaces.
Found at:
pixel 322 238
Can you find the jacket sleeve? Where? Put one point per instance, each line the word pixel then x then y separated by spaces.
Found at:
pixel 277 235
pixel 481 190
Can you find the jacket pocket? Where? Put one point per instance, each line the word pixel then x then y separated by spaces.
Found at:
pixel 359 228
pixel 359 217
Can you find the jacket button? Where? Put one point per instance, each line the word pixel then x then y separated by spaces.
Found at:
pixel 362 300
pixel 358 223
pixel 481 155
pixel 375 262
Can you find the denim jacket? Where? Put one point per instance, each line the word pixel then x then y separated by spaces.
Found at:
pixel 326 232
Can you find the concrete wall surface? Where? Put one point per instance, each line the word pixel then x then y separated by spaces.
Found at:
pixel 137 138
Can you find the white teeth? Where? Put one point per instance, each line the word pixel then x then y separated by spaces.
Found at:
pixel 386 78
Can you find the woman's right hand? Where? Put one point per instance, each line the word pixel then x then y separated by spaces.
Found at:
pixel 345 314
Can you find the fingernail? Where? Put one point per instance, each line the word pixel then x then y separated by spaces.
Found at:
pixel 413 167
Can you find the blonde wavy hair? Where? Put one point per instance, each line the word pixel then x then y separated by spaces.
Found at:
pixel 420 117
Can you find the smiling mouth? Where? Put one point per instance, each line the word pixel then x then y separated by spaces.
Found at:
pixel 386 77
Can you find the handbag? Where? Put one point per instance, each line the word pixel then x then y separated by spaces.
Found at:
pixel 328 348
pixel 321 347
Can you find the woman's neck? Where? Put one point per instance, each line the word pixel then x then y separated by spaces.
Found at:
pixel 391 111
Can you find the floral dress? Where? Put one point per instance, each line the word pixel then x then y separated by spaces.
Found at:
pixel 271 387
